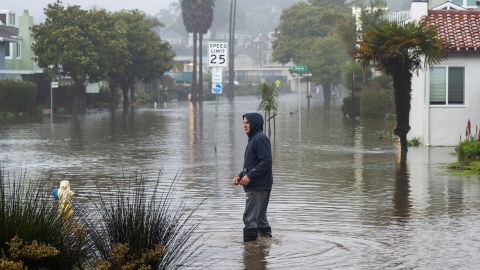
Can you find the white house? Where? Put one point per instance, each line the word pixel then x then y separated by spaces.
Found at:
pixel 446 95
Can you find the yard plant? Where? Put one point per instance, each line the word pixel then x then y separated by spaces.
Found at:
pixel 138 224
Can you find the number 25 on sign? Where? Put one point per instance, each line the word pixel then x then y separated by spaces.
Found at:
pixel 217 54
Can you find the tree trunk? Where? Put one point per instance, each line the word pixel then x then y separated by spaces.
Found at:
pixel 327 94
pixel 200 66
pixel 78 105
pixel 126 101
pixel 402 85
pixel 113 96
pixel 193 97
pixel 132 94
pixel 269 129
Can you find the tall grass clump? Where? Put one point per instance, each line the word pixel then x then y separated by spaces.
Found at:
pixel 139 223
pixel 33 234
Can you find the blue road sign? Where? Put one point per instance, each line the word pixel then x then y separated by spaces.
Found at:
pixel 217 88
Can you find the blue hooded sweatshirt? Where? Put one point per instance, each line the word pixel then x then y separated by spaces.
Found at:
pixel 257 162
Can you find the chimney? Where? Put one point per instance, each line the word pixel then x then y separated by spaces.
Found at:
pixel 418 9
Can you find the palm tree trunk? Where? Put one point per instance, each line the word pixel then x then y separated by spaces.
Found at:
pixel 193 97
pixel 200 66
pixel 402 85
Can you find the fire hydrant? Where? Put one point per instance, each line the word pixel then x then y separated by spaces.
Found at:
pixel 65 198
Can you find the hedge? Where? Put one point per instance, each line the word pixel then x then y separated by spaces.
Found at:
pixel 17 96
pixel 375 104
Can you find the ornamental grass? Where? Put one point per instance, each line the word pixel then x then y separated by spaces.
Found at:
pixel 144 224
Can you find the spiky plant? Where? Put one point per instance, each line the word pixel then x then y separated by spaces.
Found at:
pixel 27 212
pixel 142 215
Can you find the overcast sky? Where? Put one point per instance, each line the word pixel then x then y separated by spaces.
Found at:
pixel 150 7
pixel 36 7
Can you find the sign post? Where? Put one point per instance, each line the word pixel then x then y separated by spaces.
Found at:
pixel 52 85
pixel 217 54
pixel 217 60
pixel 299 70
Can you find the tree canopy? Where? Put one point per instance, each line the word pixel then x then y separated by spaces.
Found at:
pixel 93 45
pixel 307 36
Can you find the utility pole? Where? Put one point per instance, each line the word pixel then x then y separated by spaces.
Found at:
pixel 231 52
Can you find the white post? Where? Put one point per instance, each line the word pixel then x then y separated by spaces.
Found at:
pixel 216 120
pixel 299 112
pixel 51 103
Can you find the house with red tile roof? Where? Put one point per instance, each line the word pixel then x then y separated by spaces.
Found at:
pixel 446 95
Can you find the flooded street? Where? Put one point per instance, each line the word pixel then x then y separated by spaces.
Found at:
pixel 339 199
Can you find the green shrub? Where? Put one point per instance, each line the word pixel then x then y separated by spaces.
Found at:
pixel 414 142
pixel 468 150
pixel 17 96
pixel 376 104
pixel 384 82
pixel 347 106
pixel 384 135
pixel 7 116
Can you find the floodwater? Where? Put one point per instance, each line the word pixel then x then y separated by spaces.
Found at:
pixel 340 200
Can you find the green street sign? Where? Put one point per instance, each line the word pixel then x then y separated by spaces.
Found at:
pixel 300 68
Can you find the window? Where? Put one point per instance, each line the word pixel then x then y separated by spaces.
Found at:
pixel 8 50
pixel 12 19
pixel 19 50
pixel 447 85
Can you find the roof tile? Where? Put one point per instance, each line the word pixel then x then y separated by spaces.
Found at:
pixel 459 28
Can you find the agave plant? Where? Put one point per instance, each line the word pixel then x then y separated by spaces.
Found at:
pixel 139 217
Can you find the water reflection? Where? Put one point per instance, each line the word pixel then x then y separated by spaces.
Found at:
pixel 401 202
pixel 255 254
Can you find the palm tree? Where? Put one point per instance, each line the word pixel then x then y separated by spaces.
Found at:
pixel 189 20
pixel 197 17
pixel 205 18
pixel 400 50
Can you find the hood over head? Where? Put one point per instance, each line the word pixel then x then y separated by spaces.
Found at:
pixel 256 123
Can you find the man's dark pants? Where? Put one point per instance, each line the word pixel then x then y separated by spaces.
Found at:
pixel 255 215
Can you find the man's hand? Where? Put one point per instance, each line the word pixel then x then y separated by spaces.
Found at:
pixel 236 180
pixel 245 181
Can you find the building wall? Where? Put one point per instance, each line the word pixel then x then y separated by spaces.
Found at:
pixel 446 123
pixel 25 63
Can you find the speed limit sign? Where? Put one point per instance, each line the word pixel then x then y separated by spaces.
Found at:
pixel 217 54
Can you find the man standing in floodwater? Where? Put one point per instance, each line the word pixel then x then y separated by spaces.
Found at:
pixel 256 178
